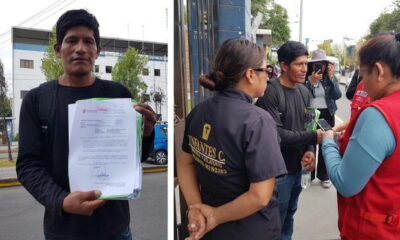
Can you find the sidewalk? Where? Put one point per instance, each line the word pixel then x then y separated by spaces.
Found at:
pixel 8 176
pixel 316 217
pixel 13 146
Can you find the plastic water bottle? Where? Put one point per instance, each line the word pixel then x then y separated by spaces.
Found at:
pixel 305 175
pixel 305 179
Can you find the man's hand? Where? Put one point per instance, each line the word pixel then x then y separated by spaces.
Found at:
pixel 308 161
pixel 320 134
pixel 149 118
pixel 82 203
pixel 316 77
pixel 196 225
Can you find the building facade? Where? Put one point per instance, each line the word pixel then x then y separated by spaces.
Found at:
pixel 30 45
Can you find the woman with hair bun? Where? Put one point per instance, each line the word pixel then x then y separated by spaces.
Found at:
pixel 231 152
pixel 365 169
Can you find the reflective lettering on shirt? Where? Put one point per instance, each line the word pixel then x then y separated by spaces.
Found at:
pixel 221 156
pixel 207 156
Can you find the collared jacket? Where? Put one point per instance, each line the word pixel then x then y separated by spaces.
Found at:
pixel 332 92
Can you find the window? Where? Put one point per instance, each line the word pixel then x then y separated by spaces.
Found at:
pixel 156 72
pixel 145 72
pixel 26 63
pixel 96 68
pixel 23 93
pixel 108 69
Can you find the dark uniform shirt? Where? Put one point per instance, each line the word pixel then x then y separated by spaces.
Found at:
pixel 235 143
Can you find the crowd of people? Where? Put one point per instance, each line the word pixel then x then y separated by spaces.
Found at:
pixel 240 169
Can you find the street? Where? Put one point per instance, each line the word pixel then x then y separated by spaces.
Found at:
pixel 316 217
pixel 21 216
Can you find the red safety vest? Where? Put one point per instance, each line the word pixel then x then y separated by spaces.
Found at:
pixel 374 212
pixel 360 98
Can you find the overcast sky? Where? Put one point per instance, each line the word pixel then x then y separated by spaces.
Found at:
pixel 133 19
pixel 333 19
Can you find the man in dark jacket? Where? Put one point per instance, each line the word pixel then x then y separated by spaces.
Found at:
pixel 296 142
pixel 42 165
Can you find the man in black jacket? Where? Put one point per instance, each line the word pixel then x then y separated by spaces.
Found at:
pixel 296 142
pixel 42 164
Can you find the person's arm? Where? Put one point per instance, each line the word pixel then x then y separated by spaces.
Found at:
pixel 256 198
pixel 187 178
pixel 334 92
pixel 149 120
pixel 30 167
pixel 340 127
pixel 270 103
pixel 189 186
pixel 32 172
pixel 351 89
pixel 147 146
pixel 190 190
pixel 371 142
pixel 298 138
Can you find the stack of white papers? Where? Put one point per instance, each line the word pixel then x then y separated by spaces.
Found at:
pixel 105 138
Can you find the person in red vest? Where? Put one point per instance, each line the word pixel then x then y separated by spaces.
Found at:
pixel 365 169
pixel 360 98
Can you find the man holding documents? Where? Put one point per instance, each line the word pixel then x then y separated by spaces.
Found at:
pixel 42 164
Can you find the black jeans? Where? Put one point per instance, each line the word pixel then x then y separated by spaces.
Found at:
pixel 321 169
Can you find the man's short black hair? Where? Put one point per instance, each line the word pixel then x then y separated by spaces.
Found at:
pixel 76 18
pixel 291 50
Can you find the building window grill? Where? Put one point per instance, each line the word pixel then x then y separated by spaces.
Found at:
pixel 24 63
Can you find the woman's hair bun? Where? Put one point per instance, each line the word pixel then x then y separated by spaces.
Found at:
pixel 206 82
pixel 213 81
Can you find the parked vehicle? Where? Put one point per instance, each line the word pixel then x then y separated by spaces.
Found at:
pixel 160 152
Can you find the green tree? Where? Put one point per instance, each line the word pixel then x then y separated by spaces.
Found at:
pixel 276 19
pixel 5 107
pixel 388 21
pixel 326 46
pixel 259 6
pixel 127 70
pixel 5 103
pixel 52 66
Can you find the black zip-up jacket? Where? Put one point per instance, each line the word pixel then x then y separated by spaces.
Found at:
pixel 42 164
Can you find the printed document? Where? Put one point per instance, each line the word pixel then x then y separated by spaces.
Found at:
pixel 105 147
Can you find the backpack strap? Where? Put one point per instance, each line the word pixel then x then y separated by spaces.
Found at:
pixel 46 104
pixel 305 94
pixel 281 94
